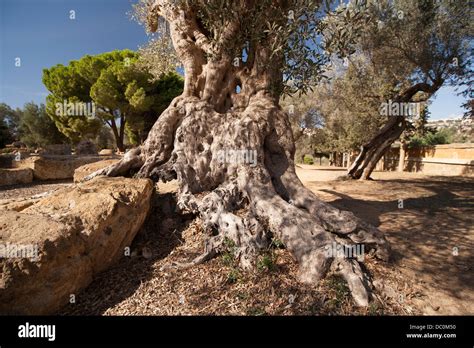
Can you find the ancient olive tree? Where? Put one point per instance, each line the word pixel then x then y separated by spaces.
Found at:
pixel 421 45
pixel 350 116
pixel 229 143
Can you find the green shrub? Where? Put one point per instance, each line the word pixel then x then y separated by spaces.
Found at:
pixel 267 262
pixel 229 259
pixel 338 285
pixel 443 136
pixel 233 276
pixel 308 159
pixel 278 244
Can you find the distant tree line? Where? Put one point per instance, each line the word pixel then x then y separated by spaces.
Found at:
pixel 111 99
pixel 404 52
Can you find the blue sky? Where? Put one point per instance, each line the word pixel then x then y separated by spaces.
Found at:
pixel 41 34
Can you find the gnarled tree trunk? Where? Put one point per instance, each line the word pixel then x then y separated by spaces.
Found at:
pixel 246 201
pixel 372 152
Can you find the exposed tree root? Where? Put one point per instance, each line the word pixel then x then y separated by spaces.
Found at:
pixel 249 202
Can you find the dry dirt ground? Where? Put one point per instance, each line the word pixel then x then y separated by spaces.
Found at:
pixel 428 221
pixel 34 188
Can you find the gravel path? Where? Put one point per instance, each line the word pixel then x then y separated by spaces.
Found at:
pixel 20 191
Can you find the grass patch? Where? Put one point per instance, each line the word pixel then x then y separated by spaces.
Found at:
pixel 339 289
pixel 229 258
pixel 267 262
pixel 256 311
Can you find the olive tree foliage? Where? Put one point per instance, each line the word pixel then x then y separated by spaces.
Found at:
pixel 291 30
pixel 467 91
pixel 347 108
pixel 349 119
pixel 228 141
pixel 306 123
pixel 158 56
pixel 417 46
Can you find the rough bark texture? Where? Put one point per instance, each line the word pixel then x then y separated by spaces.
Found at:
pixel 248 203
pixel 119 133
pixel 372 151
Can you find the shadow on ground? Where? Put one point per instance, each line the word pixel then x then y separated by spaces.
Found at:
pixel 428 221
pixel 159 236
pixel 437 216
